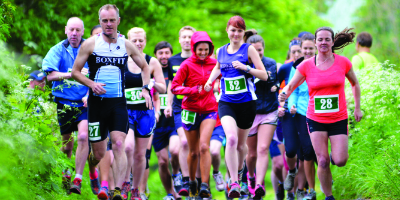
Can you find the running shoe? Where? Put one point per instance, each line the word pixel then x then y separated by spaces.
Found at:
pixel 227 189
pixel 177 181
pixel 251 183
pixel 244 197
pixel 184 191
pixel 66 181
pixel 312 195
pixel 244 190
pixel 280 194
pixel 290 196
pixel 103 193
pixel 110 194
pixel 300 194
pixel 234 191
pixel 204 191
pixel 76 186
pixel 330 198
pixel 125 190
pixel 135 194
pixel 289 181
pixel 259 192
pixel 169 197
pixel 219 182
pixel 117 194
pixel 193 188
pixel 147 191
pixel 95 185
pixel 143 196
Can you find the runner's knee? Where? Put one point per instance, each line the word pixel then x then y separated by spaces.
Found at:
pixel 82 137
pixel 204 148
pixel 262 149
pixel 231 141
pixel 323 162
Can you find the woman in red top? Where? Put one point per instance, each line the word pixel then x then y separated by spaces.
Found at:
pixel 327 111
pixel 199 109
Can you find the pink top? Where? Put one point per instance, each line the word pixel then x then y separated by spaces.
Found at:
pixel 327 102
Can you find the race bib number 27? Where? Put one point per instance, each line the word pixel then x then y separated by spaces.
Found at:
pixel 326 103
pixel 94 131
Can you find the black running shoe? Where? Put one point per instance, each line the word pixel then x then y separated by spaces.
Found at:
pixel 204 191
pixel 193 188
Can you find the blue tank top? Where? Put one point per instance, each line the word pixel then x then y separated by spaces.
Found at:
pixel 107 64
pixel 237 85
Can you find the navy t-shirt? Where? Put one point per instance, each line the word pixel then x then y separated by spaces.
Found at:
pixel 174 63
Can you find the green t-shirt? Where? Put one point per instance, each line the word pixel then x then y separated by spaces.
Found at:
pixel 362 60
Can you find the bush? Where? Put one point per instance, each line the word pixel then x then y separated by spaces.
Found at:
pixel 373 169
pixel 31 159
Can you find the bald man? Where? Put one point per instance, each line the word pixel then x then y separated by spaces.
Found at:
pixel 70 97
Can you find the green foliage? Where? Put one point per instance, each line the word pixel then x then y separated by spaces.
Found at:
pixel 6 18
pixel 381 18
pixel 373 170
pixel 42 22
pixel 29 147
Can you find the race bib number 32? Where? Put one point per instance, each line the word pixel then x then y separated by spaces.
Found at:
pixel 326 103
pixel 188 117
pixel 94 131
pixel 134 96
pixel 235 85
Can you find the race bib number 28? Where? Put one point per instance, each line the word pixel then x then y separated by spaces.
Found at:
pixel 235 85
pixel 326 103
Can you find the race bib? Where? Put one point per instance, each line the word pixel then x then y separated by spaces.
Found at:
pixel 235 85
pixel 94 131
pixel 133 96
pixel 326 103
pixel 188 117
pixel 163 101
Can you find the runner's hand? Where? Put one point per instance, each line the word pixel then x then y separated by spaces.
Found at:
pixel 98 89
pixel 84 99
pixel 238 65
pixel 274 88
pixel 208 86
pixel 281 111
pixel 146 95
pixel 168 112
pixel 358 114
pixel 84 71
pixel 282 97
pixel 293 110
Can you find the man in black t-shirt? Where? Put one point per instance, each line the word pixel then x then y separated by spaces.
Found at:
pixel 173 108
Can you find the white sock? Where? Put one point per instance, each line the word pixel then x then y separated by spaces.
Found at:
pixel 78 176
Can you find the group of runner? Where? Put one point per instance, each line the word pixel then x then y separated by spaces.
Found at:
pixel 123 102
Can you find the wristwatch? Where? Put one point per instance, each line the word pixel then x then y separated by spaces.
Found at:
pixel 146 87
pixel 248 68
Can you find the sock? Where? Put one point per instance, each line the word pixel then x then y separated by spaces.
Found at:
pixel 170 195
pixel 104 184
pixel 330 197
pixel 93 176
pixel 292 171
pixel 198 181
pixel 78 176
pixel 185 179
pixel 215 172
pixel 174 175
pixel 117 188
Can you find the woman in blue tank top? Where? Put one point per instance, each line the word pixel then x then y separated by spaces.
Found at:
pixel 237 104
pixel 142 120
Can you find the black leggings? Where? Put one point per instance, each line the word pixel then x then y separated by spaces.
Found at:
pixel 296 137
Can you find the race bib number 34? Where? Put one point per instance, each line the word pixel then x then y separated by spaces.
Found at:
pixel 235 85
pixel 134 96
pixel 94 131
pixel 326 103
pixel 188 117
